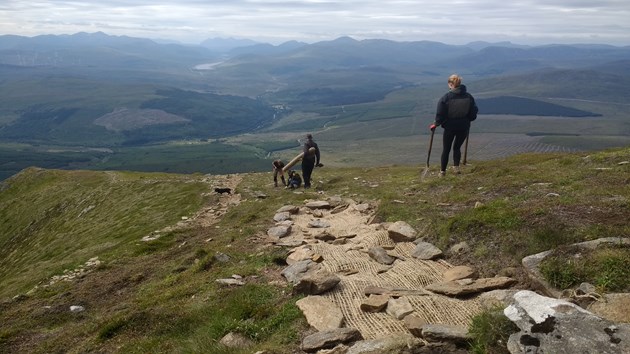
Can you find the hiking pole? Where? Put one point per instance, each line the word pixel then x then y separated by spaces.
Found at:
pixel 426 170
pixel 466 146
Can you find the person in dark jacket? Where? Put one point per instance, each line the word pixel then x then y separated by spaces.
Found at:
pixel 277 170
pixel 309 160
pixel 455 110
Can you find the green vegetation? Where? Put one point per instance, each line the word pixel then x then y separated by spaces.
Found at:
pixel 608 268
pixel 490 331
pixel 161 296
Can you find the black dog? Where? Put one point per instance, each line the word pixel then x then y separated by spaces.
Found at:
pixel 223 190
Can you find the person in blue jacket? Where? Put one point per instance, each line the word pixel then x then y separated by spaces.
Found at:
pixel 455 110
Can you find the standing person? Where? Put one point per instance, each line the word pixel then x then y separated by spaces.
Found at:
pixel 455 110
pixel 309 160
pixel 277 170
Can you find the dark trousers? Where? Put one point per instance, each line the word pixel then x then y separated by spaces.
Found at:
pixel 307 170
pixel 454 138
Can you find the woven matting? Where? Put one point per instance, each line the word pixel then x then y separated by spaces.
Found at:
pixel 406 272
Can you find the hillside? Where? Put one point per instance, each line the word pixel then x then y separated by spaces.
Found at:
pixel 141 252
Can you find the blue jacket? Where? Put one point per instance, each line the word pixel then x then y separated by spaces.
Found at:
pixel 456 109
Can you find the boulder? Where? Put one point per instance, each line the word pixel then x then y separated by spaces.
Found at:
pixel 236 340
pixel 549 325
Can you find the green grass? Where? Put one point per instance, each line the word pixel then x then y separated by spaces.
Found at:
pixel 490 331
pixel 606 267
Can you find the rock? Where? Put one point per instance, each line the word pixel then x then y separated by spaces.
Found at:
pixel 380 255
pixel 362 208
pixel 556 326
pixel 339 349
pixel 279 231
pixel 299 254
pixel 330 339
pixel 414 325
pixel 325 236
pixel 459 248
pixel 496 298
pixel 230 281
pixel 221 257
pixel 295 271
pixel 282 216
pixel 388 345
pixel 400 231
pixel 318 205
pixel 318 223
pixel 77 308
pixel 236 340
pixel 459 272
pixel 426 251
pixel 453 288
pixel 399 308
pixel 321 313
pixel 445 333
pixel 292 209
pixel 316 281
pixel 396 292
pixel 375 303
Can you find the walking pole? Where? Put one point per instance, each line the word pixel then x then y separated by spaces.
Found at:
pixel 426 170
pixel 466 146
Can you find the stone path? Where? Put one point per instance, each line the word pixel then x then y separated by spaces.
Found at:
pixel 346 255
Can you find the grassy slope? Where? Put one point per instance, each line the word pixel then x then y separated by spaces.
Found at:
pixel 162 297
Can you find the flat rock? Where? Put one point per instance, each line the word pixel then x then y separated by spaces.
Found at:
pixel 318 223
pixel 375 303
pixel 445 333
pixel 457 288
pixel 403 343
pixel 414 325
pixel 318 205
pixel 459 272
pixel 316 281
pixel 380 255
pixel 330 339
pixel 282 216
pixel 321 313
pixel 399 308
pixel 396 292
pixel 279 231
pixel 292 209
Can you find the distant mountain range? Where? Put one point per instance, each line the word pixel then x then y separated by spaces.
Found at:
pixel 97 90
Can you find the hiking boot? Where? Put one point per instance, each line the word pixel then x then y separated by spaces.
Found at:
pixel 457 171
pixel 442 174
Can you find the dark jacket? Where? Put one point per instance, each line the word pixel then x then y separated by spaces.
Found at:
pixel 307 145
pixel 456 109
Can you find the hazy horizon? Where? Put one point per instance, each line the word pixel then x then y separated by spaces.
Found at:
pixel 536 22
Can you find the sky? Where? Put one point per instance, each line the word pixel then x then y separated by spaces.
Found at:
pixel 531 22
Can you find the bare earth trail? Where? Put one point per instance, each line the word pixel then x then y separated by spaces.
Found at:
pixel 351 262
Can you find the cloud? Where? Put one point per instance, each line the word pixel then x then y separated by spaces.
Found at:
pixel 454 22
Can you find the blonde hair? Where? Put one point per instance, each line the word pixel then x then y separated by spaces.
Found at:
pixel 455 79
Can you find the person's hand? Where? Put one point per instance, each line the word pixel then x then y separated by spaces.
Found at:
pixel 432 127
